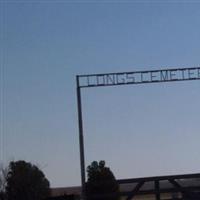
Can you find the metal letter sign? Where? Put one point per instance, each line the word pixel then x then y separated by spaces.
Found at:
pixel 139 77
pixel 125 78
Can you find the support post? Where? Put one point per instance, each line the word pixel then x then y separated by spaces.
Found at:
pixel 157 190
pixel 135 190
pixel 81 139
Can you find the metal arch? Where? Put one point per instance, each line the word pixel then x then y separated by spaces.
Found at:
pixel 138 77
pixel 125 78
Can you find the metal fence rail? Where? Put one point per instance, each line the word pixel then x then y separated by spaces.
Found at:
pixel 188 185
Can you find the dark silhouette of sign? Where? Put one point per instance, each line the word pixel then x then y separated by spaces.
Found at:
pixel 139 77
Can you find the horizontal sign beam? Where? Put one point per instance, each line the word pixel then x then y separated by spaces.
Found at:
pixel 139 77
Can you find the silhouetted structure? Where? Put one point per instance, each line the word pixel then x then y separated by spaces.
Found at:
pixel 125 78
pixel 178 187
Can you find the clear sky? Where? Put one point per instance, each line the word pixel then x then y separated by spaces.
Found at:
pixel 139 131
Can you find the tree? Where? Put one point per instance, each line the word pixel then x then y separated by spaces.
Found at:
pixel 3 175
pixel 101 181
pixel 26 182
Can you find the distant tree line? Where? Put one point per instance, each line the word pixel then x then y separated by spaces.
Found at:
pixel 21 180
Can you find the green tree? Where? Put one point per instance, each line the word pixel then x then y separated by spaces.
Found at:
pixel 26 182
pixel 101 181
pixel 3 175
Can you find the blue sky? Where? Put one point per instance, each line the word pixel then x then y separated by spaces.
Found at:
pixel 139 130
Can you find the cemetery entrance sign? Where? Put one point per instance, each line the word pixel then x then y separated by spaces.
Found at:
pixel 125 78
pixel 138 77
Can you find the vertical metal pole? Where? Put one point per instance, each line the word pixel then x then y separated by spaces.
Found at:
pixel 81 139
pixel 157 190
